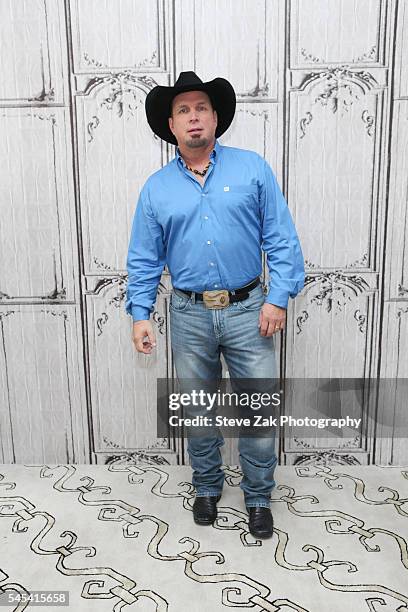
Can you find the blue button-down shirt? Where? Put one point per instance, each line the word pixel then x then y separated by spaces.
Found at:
pixel 212 236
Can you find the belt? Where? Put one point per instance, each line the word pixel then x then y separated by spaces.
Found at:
pixel 239 294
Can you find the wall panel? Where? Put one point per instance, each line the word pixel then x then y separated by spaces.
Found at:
pixel 252 57
pixel 42 373
pixel 38 240
pixel 33 52
pixel 119 34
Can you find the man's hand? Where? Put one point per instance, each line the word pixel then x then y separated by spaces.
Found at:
pixel 141 330
pixel 271 319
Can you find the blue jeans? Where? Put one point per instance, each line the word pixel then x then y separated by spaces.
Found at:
pixel 199 335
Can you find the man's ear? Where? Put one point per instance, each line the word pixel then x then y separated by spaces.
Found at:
pixel 171 124
pixel 216 117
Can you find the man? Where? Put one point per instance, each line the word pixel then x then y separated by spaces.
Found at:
pixel 208 214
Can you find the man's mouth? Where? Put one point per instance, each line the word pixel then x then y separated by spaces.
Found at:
pixel 195 131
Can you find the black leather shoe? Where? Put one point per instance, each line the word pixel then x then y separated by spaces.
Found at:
pixel 260 522
pixel 205 509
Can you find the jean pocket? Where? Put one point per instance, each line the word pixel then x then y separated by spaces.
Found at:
pixel 254 301
pixel 179 302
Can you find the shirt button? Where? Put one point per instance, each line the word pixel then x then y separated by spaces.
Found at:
pixel 205 217
pixel 208 241
pixel 212 263
pixel 215 285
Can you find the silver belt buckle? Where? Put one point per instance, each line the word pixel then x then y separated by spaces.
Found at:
pixel 217 298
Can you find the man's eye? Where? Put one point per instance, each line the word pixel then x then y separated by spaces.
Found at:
pixel 182 110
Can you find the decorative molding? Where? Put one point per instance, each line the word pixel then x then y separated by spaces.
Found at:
pixel 359 263
pixel 304 122
pixel 123 97
pixel 6 313
pixel 115 301
pixel 44 96
pixel 340 86
pixel 161 443
pixel 148 81
pixel 57 294
pixel 147 61
pixel 262 113
pixel 326 457
pixel 311 58
pixel 355 442
pixel 56 313
pixel 105 282
pixel 402 290
pixel 361 320
pixel 49 117
pixel 90 61
pixel 137 457
pixel 369 121
pixel 123 101
pixel 100 322
pixel 92 125
pixel 257 91
pixel 102 265
pixel 310 265
pixel 116 80
pixel 302 318
pixel 157 318
pixel 335 285
pixel 134 457
pixel 120 280
pixel 400 312
pixel 368 55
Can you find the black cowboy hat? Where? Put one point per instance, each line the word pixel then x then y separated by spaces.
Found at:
pixel 159 99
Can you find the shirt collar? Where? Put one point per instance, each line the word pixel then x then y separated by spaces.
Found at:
pixel 213 157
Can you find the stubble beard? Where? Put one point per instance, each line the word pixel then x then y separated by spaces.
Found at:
pixel 196 143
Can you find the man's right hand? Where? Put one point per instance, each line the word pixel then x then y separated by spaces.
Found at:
pixel 143 337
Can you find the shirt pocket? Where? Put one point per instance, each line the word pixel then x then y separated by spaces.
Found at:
pixel 240 203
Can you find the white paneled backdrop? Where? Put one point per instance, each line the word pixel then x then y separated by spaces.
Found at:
pixel 322 94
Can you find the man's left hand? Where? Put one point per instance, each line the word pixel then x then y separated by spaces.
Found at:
pixel 272 319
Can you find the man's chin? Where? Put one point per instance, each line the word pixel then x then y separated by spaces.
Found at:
pixel 198 141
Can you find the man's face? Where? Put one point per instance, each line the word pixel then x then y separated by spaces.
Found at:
pixel 193 121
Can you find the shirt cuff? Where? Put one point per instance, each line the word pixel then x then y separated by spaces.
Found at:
pixel 277 297
pixel 140 313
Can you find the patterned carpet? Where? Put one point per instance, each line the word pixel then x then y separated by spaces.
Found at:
pixel 121 537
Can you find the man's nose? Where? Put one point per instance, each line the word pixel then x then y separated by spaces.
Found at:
pixel 193 115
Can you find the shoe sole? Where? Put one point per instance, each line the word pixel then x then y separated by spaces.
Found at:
pixel 210 522
pixel 263 536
